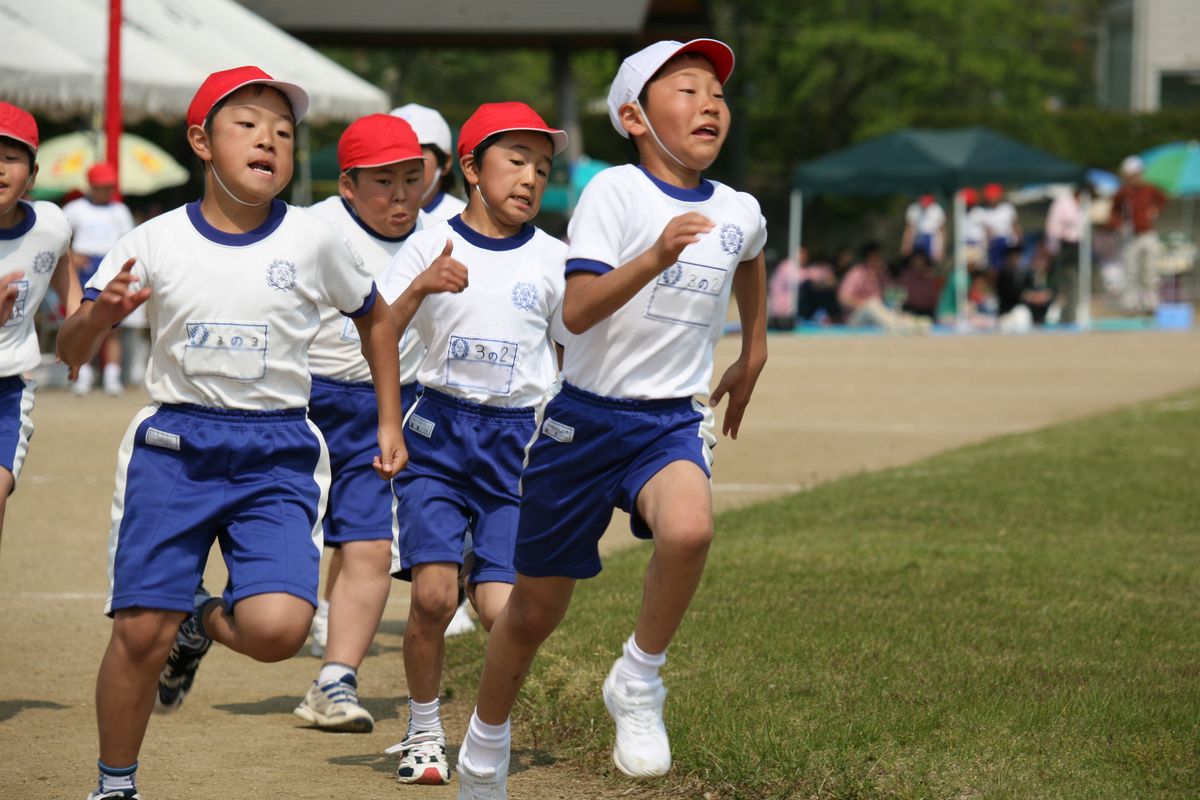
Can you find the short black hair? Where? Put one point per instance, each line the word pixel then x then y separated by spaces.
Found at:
pixel 257 89
pixel 29 152
pixel 869 249
pixel 487 143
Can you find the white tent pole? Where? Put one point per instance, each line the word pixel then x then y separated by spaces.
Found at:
pixel 1083 315
pixel 795 223
pixel 961 318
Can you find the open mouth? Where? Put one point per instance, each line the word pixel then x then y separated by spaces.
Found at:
pixel 523 201
pixel 707 132
pixel 262 168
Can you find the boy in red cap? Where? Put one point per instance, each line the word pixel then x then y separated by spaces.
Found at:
pixel 34 245
pixel 234 286
pixel 1000 220
pixel 98 220
pixel 489 359
pixel 656 250
pixel 377 208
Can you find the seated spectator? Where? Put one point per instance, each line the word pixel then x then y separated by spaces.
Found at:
pixel 818 294
pixel 921 284
pixel 861 295
pixel 1030 289
pixel 783 291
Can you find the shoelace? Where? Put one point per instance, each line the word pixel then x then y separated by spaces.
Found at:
pixel 641 714
pixel 420 744
pixel 340 691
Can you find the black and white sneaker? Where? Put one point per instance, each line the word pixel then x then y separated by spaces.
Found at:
pixel 422 759
pixel 179 672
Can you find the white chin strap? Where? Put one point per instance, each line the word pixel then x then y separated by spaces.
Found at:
pixel 233 196
pixel 482 199
pixel 649 127
pixel 433 185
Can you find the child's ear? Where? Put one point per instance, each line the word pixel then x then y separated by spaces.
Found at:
pixel 467 165
pixel 631 119
pixel 199 142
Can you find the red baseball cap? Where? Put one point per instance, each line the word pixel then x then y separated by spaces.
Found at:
pixel 993 191
pixel 103 174
pixel 375 140
pixel 221 84
pixel 492 118
pixel 970 196
pixel 17 123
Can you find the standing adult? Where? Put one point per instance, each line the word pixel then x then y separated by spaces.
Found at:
pixel 1064 229
pixel 1135 207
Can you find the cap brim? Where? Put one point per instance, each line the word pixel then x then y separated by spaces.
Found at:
pixel 559 138
pixel 297 97
pixel 715 51
pixel 10 135
pixel 386 160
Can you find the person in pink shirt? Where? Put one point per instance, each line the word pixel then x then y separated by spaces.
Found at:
pixel 784 290
pixel 861 296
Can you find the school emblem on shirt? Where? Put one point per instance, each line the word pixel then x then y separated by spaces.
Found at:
pixel 281 275
pixel 197 334
pixel 459 347
pixel 732 238
pixel 524 296
pixel 672 274
pixel 43 262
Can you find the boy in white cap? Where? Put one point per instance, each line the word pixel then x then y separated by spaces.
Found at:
pixel 488 363
pixel 377 208
pixel 434 135
pixel 655 251
pixel 34 255
pixel 234 286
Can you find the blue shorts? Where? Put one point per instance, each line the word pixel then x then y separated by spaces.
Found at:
pixel 923 242
pixel 16 424
pixel 256 481
pixel 86 273
pixel 592 454
pixel 997 252
pixel 463 473
pixel 360 502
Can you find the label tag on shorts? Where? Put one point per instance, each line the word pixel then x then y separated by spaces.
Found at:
pixel 158 438
pixel 421 425
pixel 558 432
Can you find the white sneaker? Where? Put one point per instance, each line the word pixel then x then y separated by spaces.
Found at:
pixel 111 381
pixel 641 749
pixel 320 630
pixel 461 622
pixel 334 706
pixel 485 785
pixel 84 382
pixel 99 795
pixel 422 759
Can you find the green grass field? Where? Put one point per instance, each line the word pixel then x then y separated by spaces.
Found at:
pixel 1018 619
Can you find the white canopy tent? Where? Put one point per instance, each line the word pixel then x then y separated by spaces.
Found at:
pixel 54 59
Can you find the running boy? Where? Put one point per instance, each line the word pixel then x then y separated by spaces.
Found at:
pixel 34 255
pixel 488 362
pixel 377 207
pixel 234 286
pixel 655 251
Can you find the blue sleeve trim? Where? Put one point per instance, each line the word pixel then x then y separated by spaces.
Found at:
pixel 587 265
pixel 91 294
pixel 367 305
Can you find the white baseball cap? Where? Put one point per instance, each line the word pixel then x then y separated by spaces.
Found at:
pixel 1132 165
pixel 637 70
pixel 430 126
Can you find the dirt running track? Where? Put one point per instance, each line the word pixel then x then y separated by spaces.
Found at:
pixel 825 407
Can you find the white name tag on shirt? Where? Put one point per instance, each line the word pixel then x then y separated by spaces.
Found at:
pixel 236 350
pixel 475 363
pixel 687 294
pixel 350 332
pixel 157 438
pixel 558 432
pixel 18 312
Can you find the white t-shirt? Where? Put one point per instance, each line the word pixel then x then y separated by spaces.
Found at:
pixel 232 315
pixel 444 206
pixel 974 230
pixel 1000 221
pixel 34 247
pixel 490 343
pixel 660 344
pixel 928 219
pixel 97 228
pixel 337 351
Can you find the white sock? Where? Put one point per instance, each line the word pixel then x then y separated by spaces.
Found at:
pixel 486 746
pixel 323 608
pixel 116 780
pixel 425 717
pixel 638 665
pixel 333 671
pixel 112 372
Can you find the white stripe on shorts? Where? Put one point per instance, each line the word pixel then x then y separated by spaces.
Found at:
pixel 323 477
pixel 396 565
pixel 124 454
pixel 26 428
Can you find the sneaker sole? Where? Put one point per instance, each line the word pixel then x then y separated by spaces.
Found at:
pixel 348 725
pixel 432 776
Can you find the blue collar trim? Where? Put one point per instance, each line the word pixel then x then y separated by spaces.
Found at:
pixel 434 203
pixel 24 226
pixel 374 233
pixel 487 242
pixel 274 218
pixel 698 195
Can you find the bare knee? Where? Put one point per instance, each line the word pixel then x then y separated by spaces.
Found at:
pixel 433 602
pixel 533 618
pixel 144 634
pixel 280 640
pixel 686 537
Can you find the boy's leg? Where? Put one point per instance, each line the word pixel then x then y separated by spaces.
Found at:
pixel 6 487
pixel 489 599
pixel 320 626
pixel 267 627
pixel 357 600
pixel 137 650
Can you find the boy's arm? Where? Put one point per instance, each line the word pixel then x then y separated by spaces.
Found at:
pixel 591 298
pixel 65 282
pixel 380 345
pixel 8 295
pixel 750 288
pixel 443 275
pixel 80 336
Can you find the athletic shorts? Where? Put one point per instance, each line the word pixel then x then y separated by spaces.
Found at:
pixel 463 473
pixel 255 481
pixel 360 502
pixel 16 422
pixel 593 454
pixel 86 273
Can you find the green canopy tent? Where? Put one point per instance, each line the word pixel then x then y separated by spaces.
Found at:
pixel 917 161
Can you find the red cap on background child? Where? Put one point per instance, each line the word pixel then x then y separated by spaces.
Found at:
pixel 493 118
pixel 637 70
pixel 103 174
pixel 17 123
pixel 220 85
pixel 375 140
pixel 993 192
